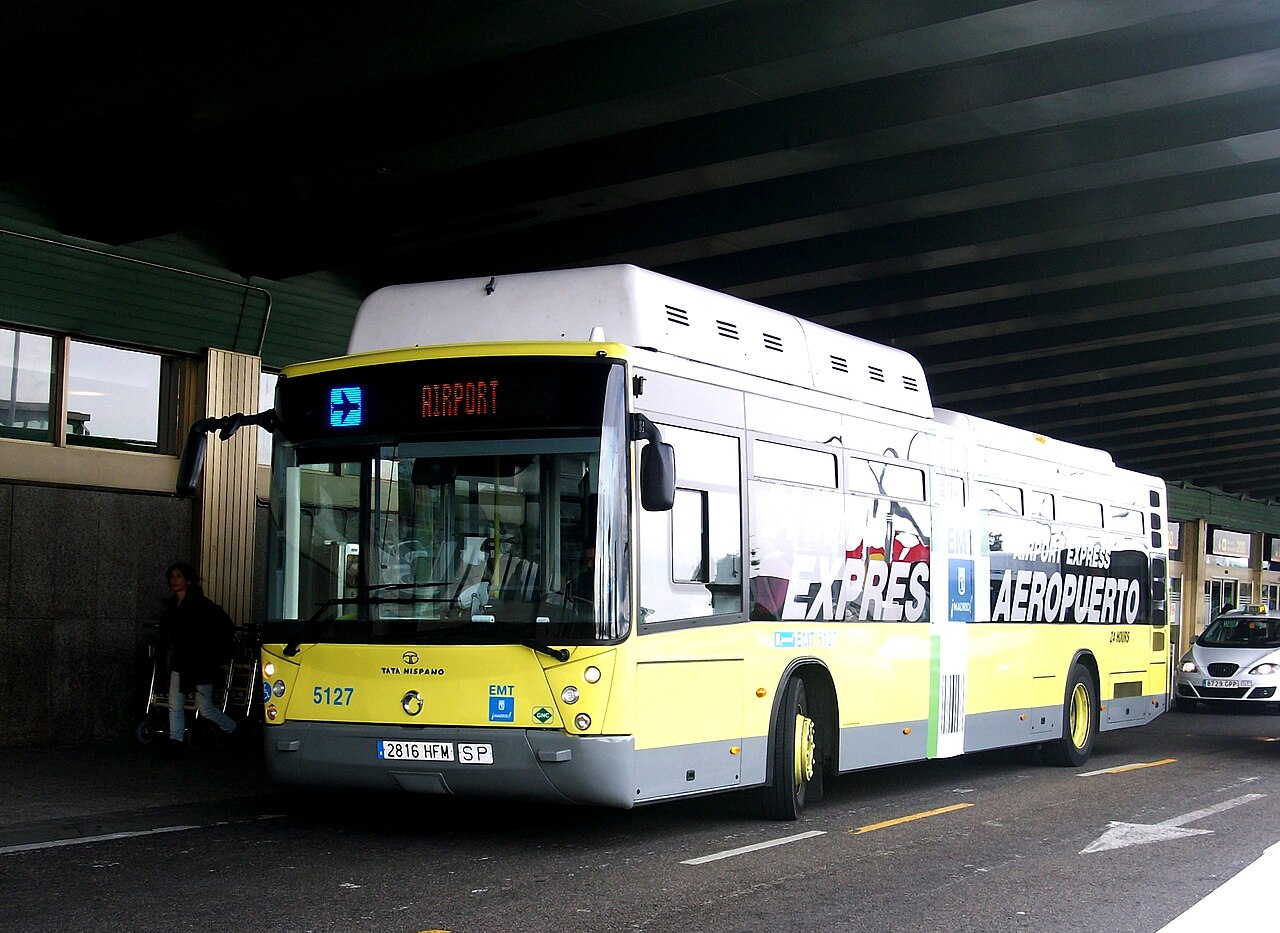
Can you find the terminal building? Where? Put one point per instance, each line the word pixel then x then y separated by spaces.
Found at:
pixel 96 406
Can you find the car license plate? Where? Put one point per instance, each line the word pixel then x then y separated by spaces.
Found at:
pixel 1226 684
pixel 416 751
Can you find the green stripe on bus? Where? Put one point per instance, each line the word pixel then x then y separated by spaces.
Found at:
pixel 935 689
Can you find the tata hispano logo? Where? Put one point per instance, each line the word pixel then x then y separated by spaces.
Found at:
pixel 346 407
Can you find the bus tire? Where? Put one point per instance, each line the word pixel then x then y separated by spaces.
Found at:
pixel 795 756
pixel 1079 721
pixel 145 733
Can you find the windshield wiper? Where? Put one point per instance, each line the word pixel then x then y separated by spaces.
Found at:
pixel 316 623
pixel 520 638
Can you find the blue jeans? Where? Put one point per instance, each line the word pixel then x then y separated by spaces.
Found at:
pixel 204 704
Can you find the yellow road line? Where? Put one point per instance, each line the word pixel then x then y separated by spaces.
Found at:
pixel 1120 769
pixel 908 819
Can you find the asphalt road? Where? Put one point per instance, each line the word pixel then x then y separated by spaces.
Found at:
pixel 991 842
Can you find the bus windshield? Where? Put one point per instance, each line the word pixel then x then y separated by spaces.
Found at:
pixel 469 540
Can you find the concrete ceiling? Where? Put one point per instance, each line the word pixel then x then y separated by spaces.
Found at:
pixel 1069 211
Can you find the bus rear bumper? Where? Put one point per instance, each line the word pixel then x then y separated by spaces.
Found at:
pixel 531 764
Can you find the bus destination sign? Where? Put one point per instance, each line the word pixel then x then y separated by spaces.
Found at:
pixel 460 399
pixel 446 396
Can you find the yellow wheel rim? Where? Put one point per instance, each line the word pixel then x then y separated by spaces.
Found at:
pixel 1081 716
pixel 806 744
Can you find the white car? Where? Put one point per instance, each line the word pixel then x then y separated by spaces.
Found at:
pixel 1235 660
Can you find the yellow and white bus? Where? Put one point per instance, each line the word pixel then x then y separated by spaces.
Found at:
pixel 604 537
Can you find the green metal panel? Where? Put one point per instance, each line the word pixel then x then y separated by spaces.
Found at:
pixel 52 284
pixel 1234 512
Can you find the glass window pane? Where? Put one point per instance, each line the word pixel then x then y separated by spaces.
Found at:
pixel 26 367
pixel 1080 512
pixel 266 399
pixel 689 536
pixel 1039 504
pixel 794 464
pixel 113 397
pixel 994 497
pixel 885 479
pixel 1123 519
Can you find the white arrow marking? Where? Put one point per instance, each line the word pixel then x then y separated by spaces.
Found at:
pixel 1119 835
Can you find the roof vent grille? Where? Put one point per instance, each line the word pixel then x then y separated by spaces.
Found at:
pixel 876 373
pixel 839 364
pixel 772 343
pixel 910 383
pixel 677 316
pixel 727 329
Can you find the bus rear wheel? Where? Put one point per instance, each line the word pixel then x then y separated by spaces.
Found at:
pixel 1079 721
pixel 795 756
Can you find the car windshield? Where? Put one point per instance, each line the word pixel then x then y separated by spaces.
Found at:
pixel 1242 632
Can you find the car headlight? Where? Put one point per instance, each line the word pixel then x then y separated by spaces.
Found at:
pixel 1188 667
pixel 1267 667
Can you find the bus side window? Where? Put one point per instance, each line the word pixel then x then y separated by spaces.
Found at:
pixel 698 572
pixel 689 545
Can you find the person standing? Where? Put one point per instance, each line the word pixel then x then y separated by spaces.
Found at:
pixel 200 636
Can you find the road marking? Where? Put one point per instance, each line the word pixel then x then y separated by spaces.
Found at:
pixel 907 819
pixel 109 837
pixel 1119 835
pixel 1120 769
pixel 81 840
pixel 730 853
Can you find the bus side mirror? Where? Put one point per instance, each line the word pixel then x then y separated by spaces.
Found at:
pixel 657 477
pixel 191 465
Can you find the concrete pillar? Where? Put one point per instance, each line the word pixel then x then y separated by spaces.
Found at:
pixel 1194 545
pixel 223 383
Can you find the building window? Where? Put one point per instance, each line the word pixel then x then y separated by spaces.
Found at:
pixel 113 397
pixel 71 392
pixel 26 384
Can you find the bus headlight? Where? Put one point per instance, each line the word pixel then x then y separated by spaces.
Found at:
pixel 272 713
pixel 569 694
pixel 591 675
pixel 278 688
pixel 269 669
pixel 582 721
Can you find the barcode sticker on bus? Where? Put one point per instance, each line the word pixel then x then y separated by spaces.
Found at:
pixel 951 704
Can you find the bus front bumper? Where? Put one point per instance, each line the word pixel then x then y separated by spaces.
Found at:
pixel 532 764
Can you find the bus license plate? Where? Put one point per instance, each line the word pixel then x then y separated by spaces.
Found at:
pixel 416 751
pixel 1227 684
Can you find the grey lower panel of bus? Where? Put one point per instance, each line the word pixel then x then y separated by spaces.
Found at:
pixel 1044 724
pixel 1123 712
pixel 700 768
pixel 529 764
pixel 879 745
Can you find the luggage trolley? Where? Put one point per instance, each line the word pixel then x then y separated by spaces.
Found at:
pixel 236 694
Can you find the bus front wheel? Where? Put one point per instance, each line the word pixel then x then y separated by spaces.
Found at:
pixel 795 756
pixel 1079 721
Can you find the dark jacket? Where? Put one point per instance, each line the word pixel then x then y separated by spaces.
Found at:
pixel 199 636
